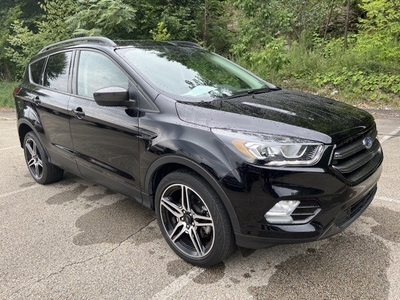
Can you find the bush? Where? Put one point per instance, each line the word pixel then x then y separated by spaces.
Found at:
pixel 6 90
pixel 328 70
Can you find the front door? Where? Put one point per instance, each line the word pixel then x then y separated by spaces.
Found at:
pixel 105 139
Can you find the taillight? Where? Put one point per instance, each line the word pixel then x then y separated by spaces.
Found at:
pixel 16 91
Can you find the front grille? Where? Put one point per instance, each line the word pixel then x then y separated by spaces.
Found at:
pixel 305 211
pixel 354 161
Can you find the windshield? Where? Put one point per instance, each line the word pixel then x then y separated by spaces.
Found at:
pixel 191 74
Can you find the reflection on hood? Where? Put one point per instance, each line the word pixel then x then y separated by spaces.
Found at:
pixel 295 108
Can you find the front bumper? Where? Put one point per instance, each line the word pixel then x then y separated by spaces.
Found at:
pixel 340 204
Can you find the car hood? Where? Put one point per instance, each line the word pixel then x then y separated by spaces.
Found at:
pixel 285 112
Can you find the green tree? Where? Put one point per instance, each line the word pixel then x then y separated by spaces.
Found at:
pixel 112 18
pixel 25 40
pixel 379 36
pixel 6 66
pixel 215 23
pixel 11 10
pixel 295 20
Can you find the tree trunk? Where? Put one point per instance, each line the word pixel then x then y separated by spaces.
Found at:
pixel 346 25
pixel 328 21
pixel 205 34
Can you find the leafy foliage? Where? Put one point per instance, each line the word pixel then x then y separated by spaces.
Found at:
pixel 380 31
pixel 350 46
pixel 161 34
pixel 112 18
pixel 6 89
pixel 25 41
pixel 5 30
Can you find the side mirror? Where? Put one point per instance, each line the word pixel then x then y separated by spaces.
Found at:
pixel 112 96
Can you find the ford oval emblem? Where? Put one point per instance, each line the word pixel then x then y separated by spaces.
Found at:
pixel 367 142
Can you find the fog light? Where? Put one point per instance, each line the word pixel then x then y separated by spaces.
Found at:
pixel 281 212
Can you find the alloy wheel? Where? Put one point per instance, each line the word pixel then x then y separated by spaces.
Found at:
pixel 187 220
pixel 34 159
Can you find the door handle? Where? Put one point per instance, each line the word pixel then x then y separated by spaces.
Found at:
pixel 36 100
pixel 79 113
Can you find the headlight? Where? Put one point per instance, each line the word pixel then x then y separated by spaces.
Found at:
pixel 271 150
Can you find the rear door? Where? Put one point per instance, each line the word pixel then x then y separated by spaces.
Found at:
pixel 105 139
pixel 49 95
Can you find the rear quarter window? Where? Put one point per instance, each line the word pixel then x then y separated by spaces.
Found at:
pixel 36 70
pixel 57 71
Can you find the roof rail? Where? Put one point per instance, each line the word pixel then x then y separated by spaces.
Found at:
pixel 185 43
pixel 89 39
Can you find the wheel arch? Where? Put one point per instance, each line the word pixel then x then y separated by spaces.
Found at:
pixel 28 120
pixel 23 129
pixel 165 165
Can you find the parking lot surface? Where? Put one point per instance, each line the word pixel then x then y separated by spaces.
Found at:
pixel 78 240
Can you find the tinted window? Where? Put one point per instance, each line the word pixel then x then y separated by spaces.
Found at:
pixel 97 71
pixel 36 71
pixel 57 71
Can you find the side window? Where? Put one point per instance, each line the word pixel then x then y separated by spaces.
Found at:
pixel 36 69
pixel 57 71
pixel 97 71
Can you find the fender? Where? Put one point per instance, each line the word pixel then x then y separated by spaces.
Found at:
pixel 29 118
pixel 148 200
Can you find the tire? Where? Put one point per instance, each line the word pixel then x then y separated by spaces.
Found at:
pixel 193 220
pixel 36 159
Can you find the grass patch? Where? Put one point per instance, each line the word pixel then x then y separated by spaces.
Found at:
pixel 329 71
pixel 6 90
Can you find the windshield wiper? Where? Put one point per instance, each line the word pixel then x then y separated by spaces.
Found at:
pixel 261 90
pixel 258 91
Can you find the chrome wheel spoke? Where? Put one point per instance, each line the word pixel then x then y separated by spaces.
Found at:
pixel 29 148
pixel 174 235
pixel 40 162
pixel 194 237
pixel 37 170
pixel 171 207
pixel 32 162
pixel 203 221
pixel 38 165
pixel 185 197
pixel 34 148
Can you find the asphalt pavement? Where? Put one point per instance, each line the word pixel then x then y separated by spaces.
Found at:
pixel 78 240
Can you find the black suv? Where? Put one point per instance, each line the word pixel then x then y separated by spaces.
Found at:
pixel 222 156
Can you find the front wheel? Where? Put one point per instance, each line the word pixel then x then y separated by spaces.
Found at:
pixel 193 219
pixel 36 159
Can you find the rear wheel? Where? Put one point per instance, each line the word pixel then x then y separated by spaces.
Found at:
pixel 193 219
pixel 36 159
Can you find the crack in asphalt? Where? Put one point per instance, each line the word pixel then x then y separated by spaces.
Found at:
pixel 82 261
